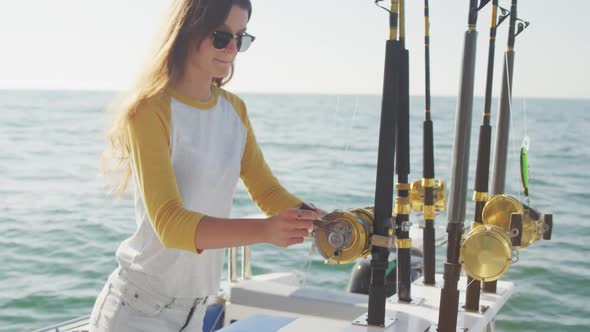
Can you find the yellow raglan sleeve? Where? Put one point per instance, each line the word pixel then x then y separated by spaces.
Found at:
pixel 264 188
pixel 149 138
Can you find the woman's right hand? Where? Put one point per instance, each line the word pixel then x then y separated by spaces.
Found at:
pixel 289 227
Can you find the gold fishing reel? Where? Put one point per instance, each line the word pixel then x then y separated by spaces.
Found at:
pixel 342 236
pixel 486 252
pixel 489 249
pixel 417 194
pixel 498 211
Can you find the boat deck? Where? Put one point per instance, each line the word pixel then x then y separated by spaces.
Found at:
pixel 275 302
pixel 257 302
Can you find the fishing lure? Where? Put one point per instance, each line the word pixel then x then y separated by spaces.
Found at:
pixel 524 166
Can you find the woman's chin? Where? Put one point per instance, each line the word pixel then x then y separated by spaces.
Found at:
pixel 221 69
pixel 221 73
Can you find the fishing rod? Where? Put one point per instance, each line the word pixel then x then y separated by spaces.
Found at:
pixel 344 235
pixel 428 194
pixel 506 225
pixel 402 200
pixel 390 108
pixel 428 260
pixel 503 124
pixel 480 196
pixel 449 299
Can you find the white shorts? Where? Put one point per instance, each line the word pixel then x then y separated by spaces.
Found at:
pixel 125 305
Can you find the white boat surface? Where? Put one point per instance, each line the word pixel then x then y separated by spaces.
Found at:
pixel 260 303
pixel 278 302
pixel 317 309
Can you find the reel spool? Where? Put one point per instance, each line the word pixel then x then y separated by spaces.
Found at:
pixel 499 209
pixel 486 252
pixel 417 195
pixel 343 236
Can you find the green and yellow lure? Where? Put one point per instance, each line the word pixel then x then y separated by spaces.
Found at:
pixel 524 165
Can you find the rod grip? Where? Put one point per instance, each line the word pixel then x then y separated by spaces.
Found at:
pixel 428 152
pixel 482 170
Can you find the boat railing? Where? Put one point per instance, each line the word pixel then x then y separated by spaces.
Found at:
pixel 245 267
pixel 67 326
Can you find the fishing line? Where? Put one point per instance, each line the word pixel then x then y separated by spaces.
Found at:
pixel 524 103
pixel 525 141
pixel 472 281
pixel 526 135
pixel 354 113
pixel 525 168
pixel 308 263
pixel 508 82
pixel 509 90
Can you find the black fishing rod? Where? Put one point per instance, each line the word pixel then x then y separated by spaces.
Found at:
pixel 482 170
pixel 428 260
pixel 503 124
pixel 385 167
pixel 402 200
pixel 449 299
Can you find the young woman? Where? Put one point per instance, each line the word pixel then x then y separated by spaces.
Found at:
pixel 185 142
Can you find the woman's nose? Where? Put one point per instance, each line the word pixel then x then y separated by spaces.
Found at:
pixel 232 46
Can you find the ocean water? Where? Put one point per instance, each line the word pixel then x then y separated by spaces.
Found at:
pixel 60 227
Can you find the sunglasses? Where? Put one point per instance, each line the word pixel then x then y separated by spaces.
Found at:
pixel 222 38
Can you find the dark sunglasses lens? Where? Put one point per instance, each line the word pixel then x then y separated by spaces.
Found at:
pixel 244 41
pixel 221 39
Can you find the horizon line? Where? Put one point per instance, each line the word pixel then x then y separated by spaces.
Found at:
pixel 359 94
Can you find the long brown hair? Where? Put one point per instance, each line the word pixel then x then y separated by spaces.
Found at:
pixel 187 24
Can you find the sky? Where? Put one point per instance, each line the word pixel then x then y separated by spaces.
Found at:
pixel 303 46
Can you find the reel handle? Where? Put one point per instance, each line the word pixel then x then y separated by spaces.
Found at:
pixel 548 219
pixel 516 229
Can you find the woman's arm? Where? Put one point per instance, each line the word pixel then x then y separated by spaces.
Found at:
pixel 263 187
pixel 149 132
pixel 180 228
pixel 284 229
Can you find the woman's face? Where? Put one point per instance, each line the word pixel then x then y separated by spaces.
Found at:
pixel 214 62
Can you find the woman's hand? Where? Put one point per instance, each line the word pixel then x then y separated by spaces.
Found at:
pixel 289 227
